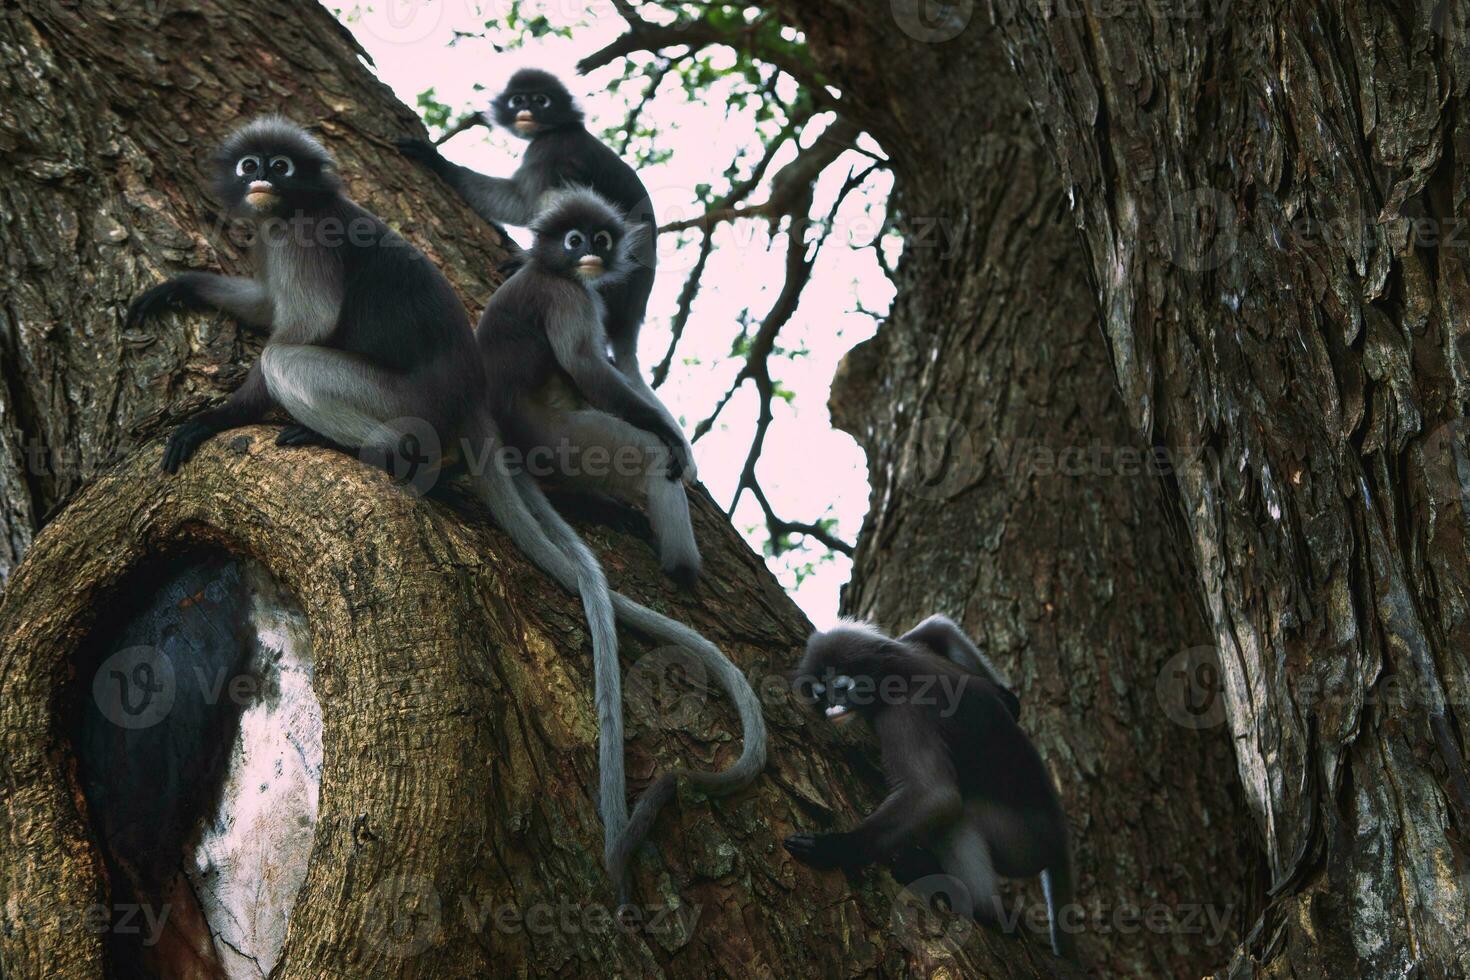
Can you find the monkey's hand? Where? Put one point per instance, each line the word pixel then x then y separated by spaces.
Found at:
pixel 681 460
pixel 421 151
pixel 178 293
pixel 185 442
pixel 823 850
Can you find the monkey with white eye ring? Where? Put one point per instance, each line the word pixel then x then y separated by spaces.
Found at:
pixel 966 784
pixel 367 336
pixel 561 154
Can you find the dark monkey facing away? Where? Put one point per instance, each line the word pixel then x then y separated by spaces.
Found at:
pixel 369 345
pixel 966 784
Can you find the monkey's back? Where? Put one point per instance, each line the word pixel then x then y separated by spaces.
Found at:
pixel 400 311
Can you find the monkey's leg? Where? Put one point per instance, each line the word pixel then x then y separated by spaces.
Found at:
pixel 964 853
pixel 348 399
pixel 626 303
pixel 247 404
pixel 607 452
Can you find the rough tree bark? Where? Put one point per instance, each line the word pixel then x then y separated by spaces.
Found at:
pixel 458 729
pixel 1010 490
pixel 1272 198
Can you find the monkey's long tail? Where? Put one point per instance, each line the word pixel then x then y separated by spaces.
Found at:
pixel 573 565
pixel 752 759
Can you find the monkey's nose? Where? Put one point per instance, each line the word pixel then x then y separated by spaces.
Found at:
pixel 589 264
pixel 525 116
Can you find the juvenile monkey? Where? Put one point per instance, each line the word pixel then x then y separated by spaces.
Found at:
pixel 553 392
pixel 367 344
pixel 561 154
pixel 966 783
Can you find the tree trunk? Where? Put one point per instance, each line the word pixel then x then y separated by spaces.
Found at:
pixel 1011 492
pixel 454 681
pixel 1271 199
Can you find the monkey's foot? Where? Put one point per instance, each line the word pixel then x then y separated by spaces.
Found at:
pixel 300 435
pixel 185 442
pixel 820 851
pixel 685 577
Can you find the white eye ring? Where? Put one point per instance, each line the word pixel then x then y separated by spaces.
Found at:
pixel 843 683
pixel 287 172
pixel 541 101
pixel 818 689
pixel 240 170
pixel 602 240
pixel 573 240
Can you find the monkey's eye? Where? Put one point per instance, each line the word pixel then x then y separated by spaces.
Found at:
pixel 248 166
pixel 842 685
pixel 282 166
pixel 573 240
pixel 602 240
pixel 517 101
pixel 818 689
pixel 540 101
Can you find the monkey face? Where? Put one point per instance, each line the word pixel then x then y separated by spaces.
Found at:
pixel 533 102
pixel 270 166
pixel 831 694
pixel 581 235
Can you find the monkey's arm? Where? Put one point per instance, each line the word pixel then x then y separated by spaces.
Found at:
pixel 244 299
pixel 499 200
pixel 249 403
pixel 925 796
pixel 609 391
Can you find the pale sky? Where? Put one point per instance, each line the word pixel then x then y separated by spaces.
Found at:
pixel 808 470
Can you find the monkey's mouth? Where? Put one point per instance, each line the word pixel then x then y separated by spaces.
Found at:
pixel 525 123
pixel 590 267
pixel 260 195
pixel 840 714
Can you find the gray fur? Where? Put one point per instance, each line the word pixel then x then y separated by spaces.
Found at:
pixel 940 634
pixel 738 775
pixel 343 396
pixel 304 280
pixel 571 563
pixel 247 300
pixel 513 200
